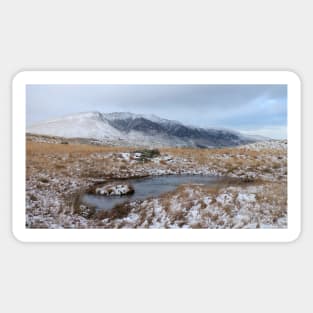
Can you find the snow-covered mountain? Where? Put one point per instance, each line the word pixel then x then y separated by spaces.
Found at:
pixel 123 128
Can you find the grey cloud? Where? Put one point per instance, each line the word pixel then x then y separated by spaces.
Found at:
pixel 238 106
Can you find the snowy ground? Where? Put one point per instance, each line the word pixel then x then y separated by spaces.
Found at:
pixel 58 172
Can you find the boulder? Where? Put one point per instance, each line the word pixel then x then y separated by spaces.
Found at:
pixel 86 211
pixel 115 189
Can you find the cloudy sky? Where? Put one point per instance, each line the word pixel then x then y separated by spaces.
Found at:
pixel 252 109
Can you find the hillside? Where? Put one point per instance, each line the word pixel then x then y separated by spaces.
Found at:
pixel 128 129
pixel 252 192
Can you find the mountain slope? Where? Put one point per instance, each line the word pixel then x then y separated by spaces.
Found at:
pixel 83 125
pixel 130 129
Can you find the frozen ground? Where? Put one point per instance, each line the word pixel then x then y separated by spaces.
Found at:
pixel 57 173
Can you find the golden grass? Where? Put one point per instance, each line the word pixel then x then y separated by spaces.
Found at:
pixel 239 159
pixel 204 153
pixel 83 149
pixel 185 198
pixel 66 158
pixel 273 189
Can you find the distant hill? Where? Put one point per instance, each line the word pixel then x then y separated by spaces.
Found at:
pixel 129 129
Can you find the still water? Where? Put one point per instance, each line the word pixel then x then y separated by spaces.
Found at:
pixel 148 187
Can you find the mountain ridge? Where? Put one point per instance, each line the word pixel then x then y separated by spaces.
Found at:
pixel 125 128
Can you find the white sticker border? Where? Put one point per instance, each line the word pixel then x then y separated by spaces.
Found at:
pixel 155 77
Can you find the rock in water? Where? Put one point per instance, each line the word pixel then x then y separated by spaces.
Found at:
pixel 115 190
